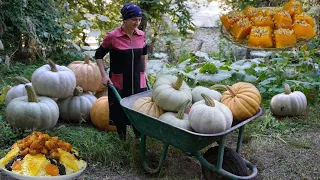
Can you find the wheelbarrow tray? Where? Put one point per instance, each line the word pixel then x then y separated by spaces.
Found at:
pixel 187 141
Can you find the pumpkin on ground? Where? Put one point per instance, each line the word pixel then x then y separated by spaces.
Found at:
pixel 210 116
pixel 53 81
pixel 32 112
pixel 76 108
pixel 102 91
pixel 243 99
pixel 146 105
pixel 288 103
pixel 179 119
pixel 170 92
pixel 18 90
pixel 87 74
pixel 100 114
pixel 197 91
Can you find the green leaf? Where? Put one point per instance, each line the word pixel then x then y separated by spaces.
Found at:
pixel 209 68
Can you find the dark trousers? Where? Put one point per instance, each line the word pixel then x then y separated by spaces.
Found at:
pixel 122 131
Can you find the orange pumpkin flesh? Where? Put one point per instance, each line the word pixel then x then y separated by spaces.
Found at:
pixel 284 38
pixel 305 17
pixel 229 19
pixel 282 19
pixel 303 30
pixel 243 99
pixel 294 7
pixel 241 29
pixel 262 21
pixel 272 11
pixel 260 37
pixel 251 11
pixel 99 114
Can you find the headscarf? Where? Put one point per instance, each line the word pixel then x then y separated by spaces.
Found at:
pixel 130 11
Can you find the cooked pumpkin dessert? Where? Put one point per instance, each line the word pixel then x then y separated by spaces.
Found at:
pixel 260 37
pixel 241 29
pixel 229 19
pixel 304 16
pixel 39 154
pixel 303 30
pixel 284 37
pixel 282 19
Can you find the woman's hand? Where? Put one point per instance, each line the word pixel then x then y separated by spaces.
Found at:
pixel 105 80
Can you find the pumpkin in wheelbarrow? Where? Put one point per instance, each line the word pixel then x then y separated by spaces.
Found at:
pixel 99 114
pixel 243 99
pixel 146 105
pixel 209 116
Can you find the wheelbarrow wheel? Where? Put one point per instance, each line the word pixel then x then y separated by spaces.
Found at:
pixel 232 162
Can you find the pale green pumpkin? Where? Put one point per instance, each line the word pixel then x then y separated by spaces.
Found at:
pixel 179 119
pixel 53 81
pixel 18 90
pixel 32 112
pixel 76 108
pixel 170 92
pixel 210 116
pixel 197 91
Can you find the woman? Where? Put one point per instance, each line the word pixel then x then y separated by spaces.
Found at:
pixel 128 61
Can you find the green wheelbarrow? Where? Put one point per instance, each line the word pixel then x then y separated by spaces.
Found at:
pixel 218 162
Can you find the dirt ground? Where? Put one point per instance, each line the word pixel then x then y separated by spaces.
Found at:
pixel 298 157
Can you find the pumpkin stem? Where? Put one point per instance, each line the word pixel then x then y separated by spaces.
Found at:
pixel 179 82
pixel 208 100
pixel 86 59
pixel 229 88
pixel 218 87
pixel 52 66
pixel 21 80
pixel 32 97
pixel 182 109
pixel 77 91
pixel 287 89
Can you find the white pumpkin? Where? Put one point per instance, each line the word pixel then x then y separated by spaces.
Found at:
pixel 32 112
pixel 76 108
pixel 53 81
pixel 18 90
pixel 210 116
pixel 288 103
pixel 179 119
pixel 197 91
pixel 170 92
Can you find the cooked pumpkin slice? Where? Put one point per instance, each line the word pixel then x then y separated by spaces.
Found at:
pixel 282 19
pixel 272 11
pixel 241 29
pixel 303 30
pixel 260 36
pixel 251 11
pixel 229 19
pixel 262 21
pixel 284 38
pixel 294 7
pixel 34 163
pixel 68 159
pixel 10 155
pixel 304 16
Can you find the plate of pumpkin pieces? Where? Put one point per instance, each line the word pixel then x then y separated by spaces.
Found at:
pixel 39 156
pixel 270 28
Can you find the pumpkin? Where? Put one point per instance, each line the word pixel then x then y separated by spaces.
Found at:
pixel 32 112
pixel 99 114
pixel 282 19
pixel 284 38
pixel 272 11
pixel 288 103
pixel 53 81
pixel 304 16
pixel 179 119
pixel 3 93
pixel 241 29
pixel 229 19
pixel 210 116
pixel 102 91
pixel 146 105
pixel 243 99
pixel 18 90
pixel 76 108
pixel 87 74
pixel 260 37
pixel 197 91
pixel 170 92
pixel 293 6
pixel 303 30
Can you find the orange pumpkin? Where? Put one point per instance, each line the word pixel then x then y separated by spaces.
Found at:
pixel 303 30
pixel 251 11
pixel 262 21
pixel 294 7
pixel 87 74
pixel 284 38
pixel 260 37
pixel 102 91
pixel 99 114
pixel 243 99
pixel 304 16
pixel 147 106
pixel 241 29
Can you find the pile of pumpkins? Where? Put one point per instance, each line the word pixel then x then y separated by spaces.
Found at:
pixel 73 94
pixel 210 111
